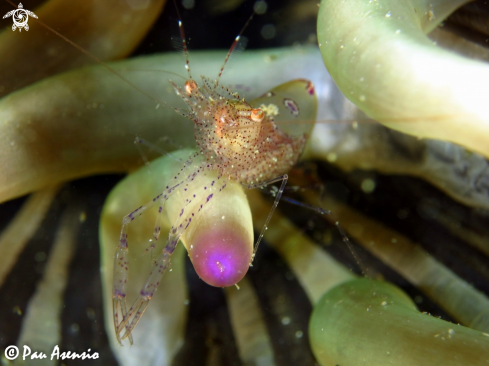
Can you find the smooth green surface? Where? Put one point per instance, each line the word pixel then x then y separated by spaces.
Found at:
pixel 366 322
pixel 84 122
pixel 381 59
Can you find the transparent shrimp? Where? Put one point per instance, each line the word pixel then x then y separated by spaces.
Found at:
pixel 290 106
pixel 238 140
pixel 242 144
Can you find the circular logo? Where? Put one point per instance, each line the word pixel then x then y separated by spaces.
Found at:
pixel 20 18
pixel 11 352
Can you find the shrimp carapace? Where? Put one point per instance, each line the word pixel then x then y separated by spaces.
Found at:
pixel 242 140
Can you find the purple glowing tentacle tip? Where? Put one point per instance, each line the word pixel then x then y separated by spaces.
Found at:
pixel 221 258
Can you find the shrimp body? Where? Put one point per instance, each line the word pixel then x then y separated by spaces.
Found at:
pixel 238 143
pixel 238 140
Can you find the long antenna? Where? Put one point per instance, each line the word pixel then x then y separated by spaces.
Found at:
pixel 96 59
pixel 184 40
pixel 233 46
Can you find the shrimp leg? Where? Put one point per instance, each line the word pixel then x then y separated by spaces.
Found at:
pixel 158 268
pixel 193 205
pixel 195 194
pixel 159 264
pixel 121 261
pixel 277 195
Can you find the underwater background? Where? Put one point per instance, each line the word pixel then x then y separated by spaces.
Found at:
pixel 403 205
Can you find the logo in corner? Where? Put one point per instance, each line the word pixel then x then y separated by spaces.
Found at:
pixel 20 17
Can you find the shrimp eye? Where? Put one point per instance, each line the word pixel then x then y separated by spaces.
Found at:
pixel 190 86
pixel 257 115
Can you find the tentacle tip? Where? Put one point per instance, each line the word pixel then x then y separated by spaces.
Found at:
pixel 221 258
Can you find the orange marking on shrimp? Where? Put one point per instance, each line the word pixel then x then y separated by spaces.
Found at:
pixel 220 117
pixel 190 86
pixel 257 115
